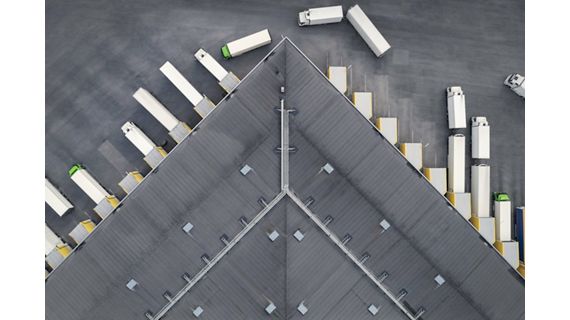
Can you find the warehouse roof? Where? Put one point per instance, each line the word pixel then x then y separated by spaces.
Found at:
pixel 372 232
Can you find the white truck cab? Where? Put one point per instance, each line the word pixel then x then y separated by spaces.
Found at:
pixel 324 15
pixel 516 82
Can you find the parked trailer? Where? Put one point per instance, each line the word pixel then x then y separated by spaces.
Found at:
pixel 152 154
pixel 456 108
pixel 510 251
pixel 363 103
pixel 462 203
pixel 226 79
pixel 130 181
pixel 519 230
pixel 57 255
pixel 516 82
pixel 438 178
pixel 367 30
pixel 456 163
pixel 246 44
pixel 87 183
pixel 82 230
pixel 338 76
pixel 322 15
pixel 413 152
pixel 56 200
pixel 503 216
pixel 51 240
pixel 480 190
pixel 480 138
pixel 178 130
pixel 388 128
pixel 485 226
pixel 201 103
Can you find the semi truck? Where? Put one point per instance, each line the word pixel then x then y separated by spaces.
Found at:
pixel 367 31
pixel 226 79
pixel 503 216
pixel 338 76
pixel 388 128
pixel 152 153
pixel 413 152
pixel 105 201
pixel 480 138
pixel 202 105
pixel 456 108
pixel 322 15
pixel 480 190
pixel 246 44
pixel 363 103
pixel 456 163
pixel 56 200
pixel 178 130
pixel 516 82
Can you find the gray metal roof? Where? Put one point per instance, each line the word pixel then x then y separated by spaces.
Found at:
pixel 200 182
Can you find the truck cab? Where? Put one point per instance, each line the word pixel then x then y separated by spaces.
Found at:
pixel 501 196
pixel 516 82
pixel 304 18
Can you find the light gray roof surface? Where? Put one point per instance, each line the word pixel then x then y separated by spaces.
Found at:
pixel 200 182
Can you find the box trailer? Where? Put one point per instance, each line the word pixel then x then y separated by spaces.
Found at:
pixel 388 128
pixel 503 216
pixel 438 178
pixel 178 130
pixel 152 153
pixel 246 44
pixel 201 103
pixel 87 183
pixel 413 152
pixel 462 203
pixel 82 230
pixel 226 79
pixel 322 15
pixel 367 30
pixel 456 108
pixel 363 103
pixel 480 138
pixel 480 190
pixel 57 255
pixel 516 82
pixel 510 251
pixel 485 226
pixel 51 240
pixel 519 230
pixel 338 76
pixel 56 200
pixel 456 163
pixel 130 181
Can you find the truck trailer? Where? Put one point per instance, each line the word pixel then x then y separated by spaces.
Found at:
pixel 226 79
pixel 106 202
pixel 456 163
pixel 519 230
pixel 503 216
pixel 178 130
pixel 413 152
pixel 130 181
pixel 462 203
pixel 56 200
pixel 456 108
pixel 338 76
pixel 480 190
pixel 57 255
pixel 367 30
pixel 51 240
pixel 152 153
pixel 82 230
pixel 388 128
pixel 480 138
pixel 363 103
pixel 322 15
pixel 246 44
pixel 438 178
pixel 202 105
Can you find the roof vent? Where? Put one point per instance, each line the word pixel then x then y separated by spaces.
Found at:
pixel 298 235
pixel 383 276
pixel 328 220
pixel 302 308
pixel 328 168
pixel 273 235
pixel 245 169
pixel 402 294
pixel 224 239
pixel 205 258
pixel 373 309
pixel 243 221
pixel 346 239
pixel 270 308
pixel 385 225
pixel 132 284
pixel 364 257
pixel 439 280
pixel 188 227
pixel 197 311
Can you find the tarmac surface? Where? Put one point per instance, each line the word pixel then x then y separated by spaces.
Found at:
pixel 98 54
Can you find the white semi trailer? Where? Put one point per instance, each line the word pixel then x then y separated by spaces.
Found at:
pixel 106 202
pixel 516 82
pixel 56 200
pixel 338 76
pixel 367 30
pixel 388 126
pixel 456 163
pixel 456 108
pixel 322 15
pixel 480 138
pixel 152 153
pixel 413 152
pixel 363 103
pixel 226 79
pixel 52 240
pixel 178 130
pixel 201 103
pixel 246 44
pixel 480 190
